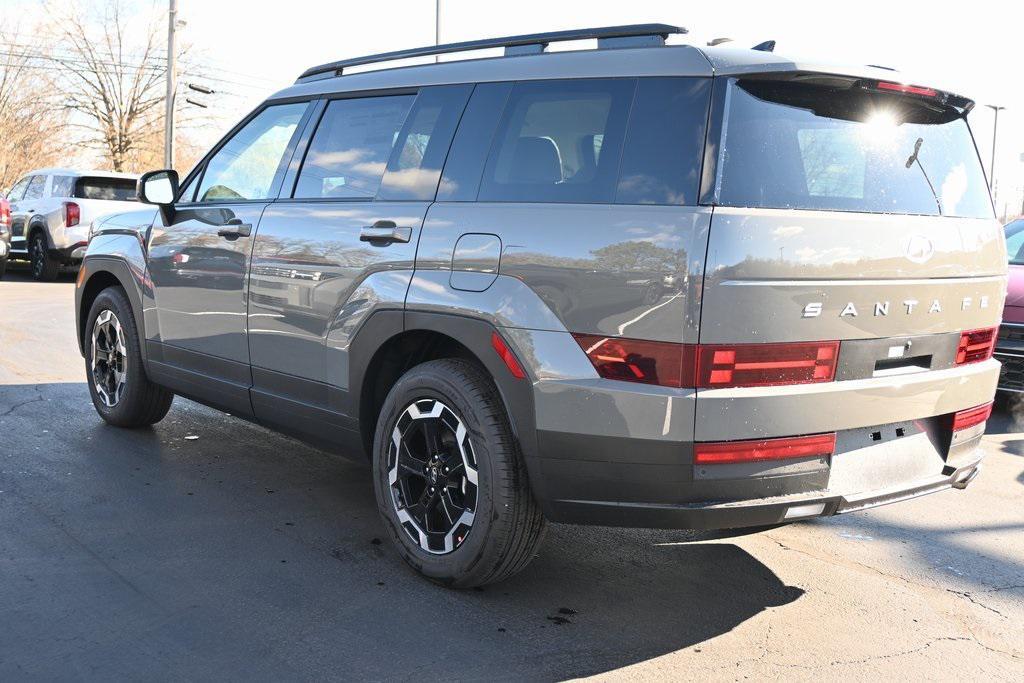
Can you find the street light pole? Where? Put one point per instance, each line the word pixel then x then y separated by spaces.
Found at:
pixel 172 20
pixel 995 131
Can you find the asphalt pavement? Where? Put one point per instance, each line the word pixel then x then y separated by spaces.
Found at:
pixel 208 548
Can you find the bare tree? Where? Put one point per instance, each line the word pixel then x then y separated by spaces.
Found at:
pixel 111 75
pixel 31 124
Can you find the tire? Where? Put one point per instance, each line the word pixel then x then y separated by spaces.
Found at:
pixel 3 268
pixel 506 524
pixel 45 268
pixel 134 401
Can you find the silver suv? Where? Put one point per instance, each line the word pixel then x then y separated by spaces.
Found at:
pixel 638 285
pixel 50 211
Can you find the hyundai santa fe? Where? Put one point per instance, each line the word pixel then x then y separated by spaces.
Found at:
pixel 640 284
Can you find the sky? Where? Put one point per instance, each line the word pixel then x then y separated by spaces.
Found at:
pixel 255 47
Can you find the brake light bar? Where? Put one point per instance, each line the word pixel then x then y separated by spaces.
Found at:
pixel 972 417
pixel 907 89
pixel 712 366
pixel 976 345
pixel 724 452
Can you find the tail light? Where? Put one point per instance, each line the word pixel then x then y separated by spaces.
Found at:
pixel 710 366
pixel 719 453
pixel 763 365
pixel 976 345
pixel 965 419
pixel 634 360
pixel 72 214
pixel 5 213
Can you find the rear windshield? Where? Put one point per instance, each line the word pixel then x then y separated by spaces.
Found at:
pixel 116 189
pixel 845 148
pixel 1015 242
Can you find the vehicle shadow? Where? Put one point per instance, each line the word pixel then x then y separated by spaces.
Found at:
pixel 208 545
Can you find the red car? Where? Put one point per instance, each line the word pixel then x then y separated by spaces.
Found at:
pixel 1010 345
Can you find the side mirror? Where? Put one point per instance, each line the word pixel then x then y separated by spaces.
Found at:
pixel 160 188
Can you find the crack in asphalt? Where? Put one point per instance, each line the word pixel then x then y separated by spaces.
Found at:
pixel 22 404
pixel 979 603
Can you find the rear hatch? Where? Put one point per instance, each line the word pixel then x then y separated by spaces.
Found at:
pixel 849 211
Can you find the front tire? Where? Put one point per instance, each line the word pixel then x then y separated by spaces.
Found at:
pixel 451 485
pixel 120 390
pixel 44 267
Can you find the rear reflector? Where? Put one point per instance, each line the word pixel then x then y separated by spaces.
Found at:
pixel 816 445
pixel 509 358
pixel 907 89
pixel 976 345
pixel 965 419
pixel 762 365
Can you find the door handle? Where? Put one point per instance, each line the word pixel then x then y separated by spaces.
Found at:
pixel 234 229
pixel 384 232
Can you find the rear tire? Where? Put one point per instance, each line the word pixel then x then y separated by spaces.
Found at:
pixel 499 524
pixel 3 268
pixel 45 268
pixel 120 390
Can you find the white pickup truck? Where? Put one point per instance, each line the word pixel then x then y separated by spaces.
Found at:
pixel 50 213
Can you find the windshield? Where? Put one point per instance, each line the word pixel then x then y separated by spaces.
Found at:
pixel 1015 242
pixel 842 147
pixel 116 189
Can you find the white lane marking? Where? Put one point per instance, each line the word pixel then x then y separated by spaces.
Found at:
pixel 646 313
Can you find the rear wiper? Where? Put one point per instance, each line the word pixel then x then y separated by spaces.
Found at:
pixel 917 148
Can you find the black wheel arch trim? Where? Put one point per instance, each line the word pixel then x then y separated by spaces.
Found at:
pixel 122 272
pixel 472 333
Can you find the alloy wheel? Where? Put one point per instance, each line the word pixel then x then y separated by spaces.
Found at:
pixel 109 358
pixel 432 476
pixel 38 256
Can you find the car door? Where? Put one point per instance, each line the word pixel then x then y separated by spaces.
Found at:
pixel 22 211
pixel 341 244
pixel 14 197
pixel 198 260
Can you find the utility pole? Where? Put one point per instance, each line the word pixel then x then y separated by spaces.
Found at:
pixel 437 27
pixel 995 130
pixel 172 20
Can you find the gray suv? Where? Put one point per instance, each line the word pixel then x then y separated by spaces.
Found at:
pixel 636 285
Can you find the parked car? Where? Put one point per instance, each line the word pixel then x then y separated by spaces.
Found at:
pixel 51 210
pixel 5 234
pixel 1010 344
pixel 445 269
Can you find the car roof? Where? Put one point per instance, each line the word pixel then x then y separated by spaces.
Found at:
pixel 660 60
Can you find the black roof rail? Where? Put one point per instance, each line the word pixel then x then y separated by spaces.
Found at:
pixel 607 36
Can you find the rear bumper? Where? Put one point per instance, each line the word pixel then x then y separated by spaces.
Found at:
pixel 754 512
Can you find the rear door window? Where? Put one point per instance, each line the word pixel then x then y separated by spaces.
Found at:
pixel 349 152
pixel 845 148
pixel 110 189
pixel 559 141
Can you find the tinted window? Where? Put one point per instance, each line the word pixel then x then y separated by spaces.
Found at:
pixel 62 186
pixel 246 166
pixel 791 145
pixel 559 141
pixel 661 159
pixel 35 187
pixel 350 149
pixel 18 191
pixel 1015 242
pixel 419 153
pixel 113 189
pixel 465 163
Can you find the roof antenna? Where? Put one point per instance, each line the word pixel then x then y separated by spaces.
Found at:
pixel 766 46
